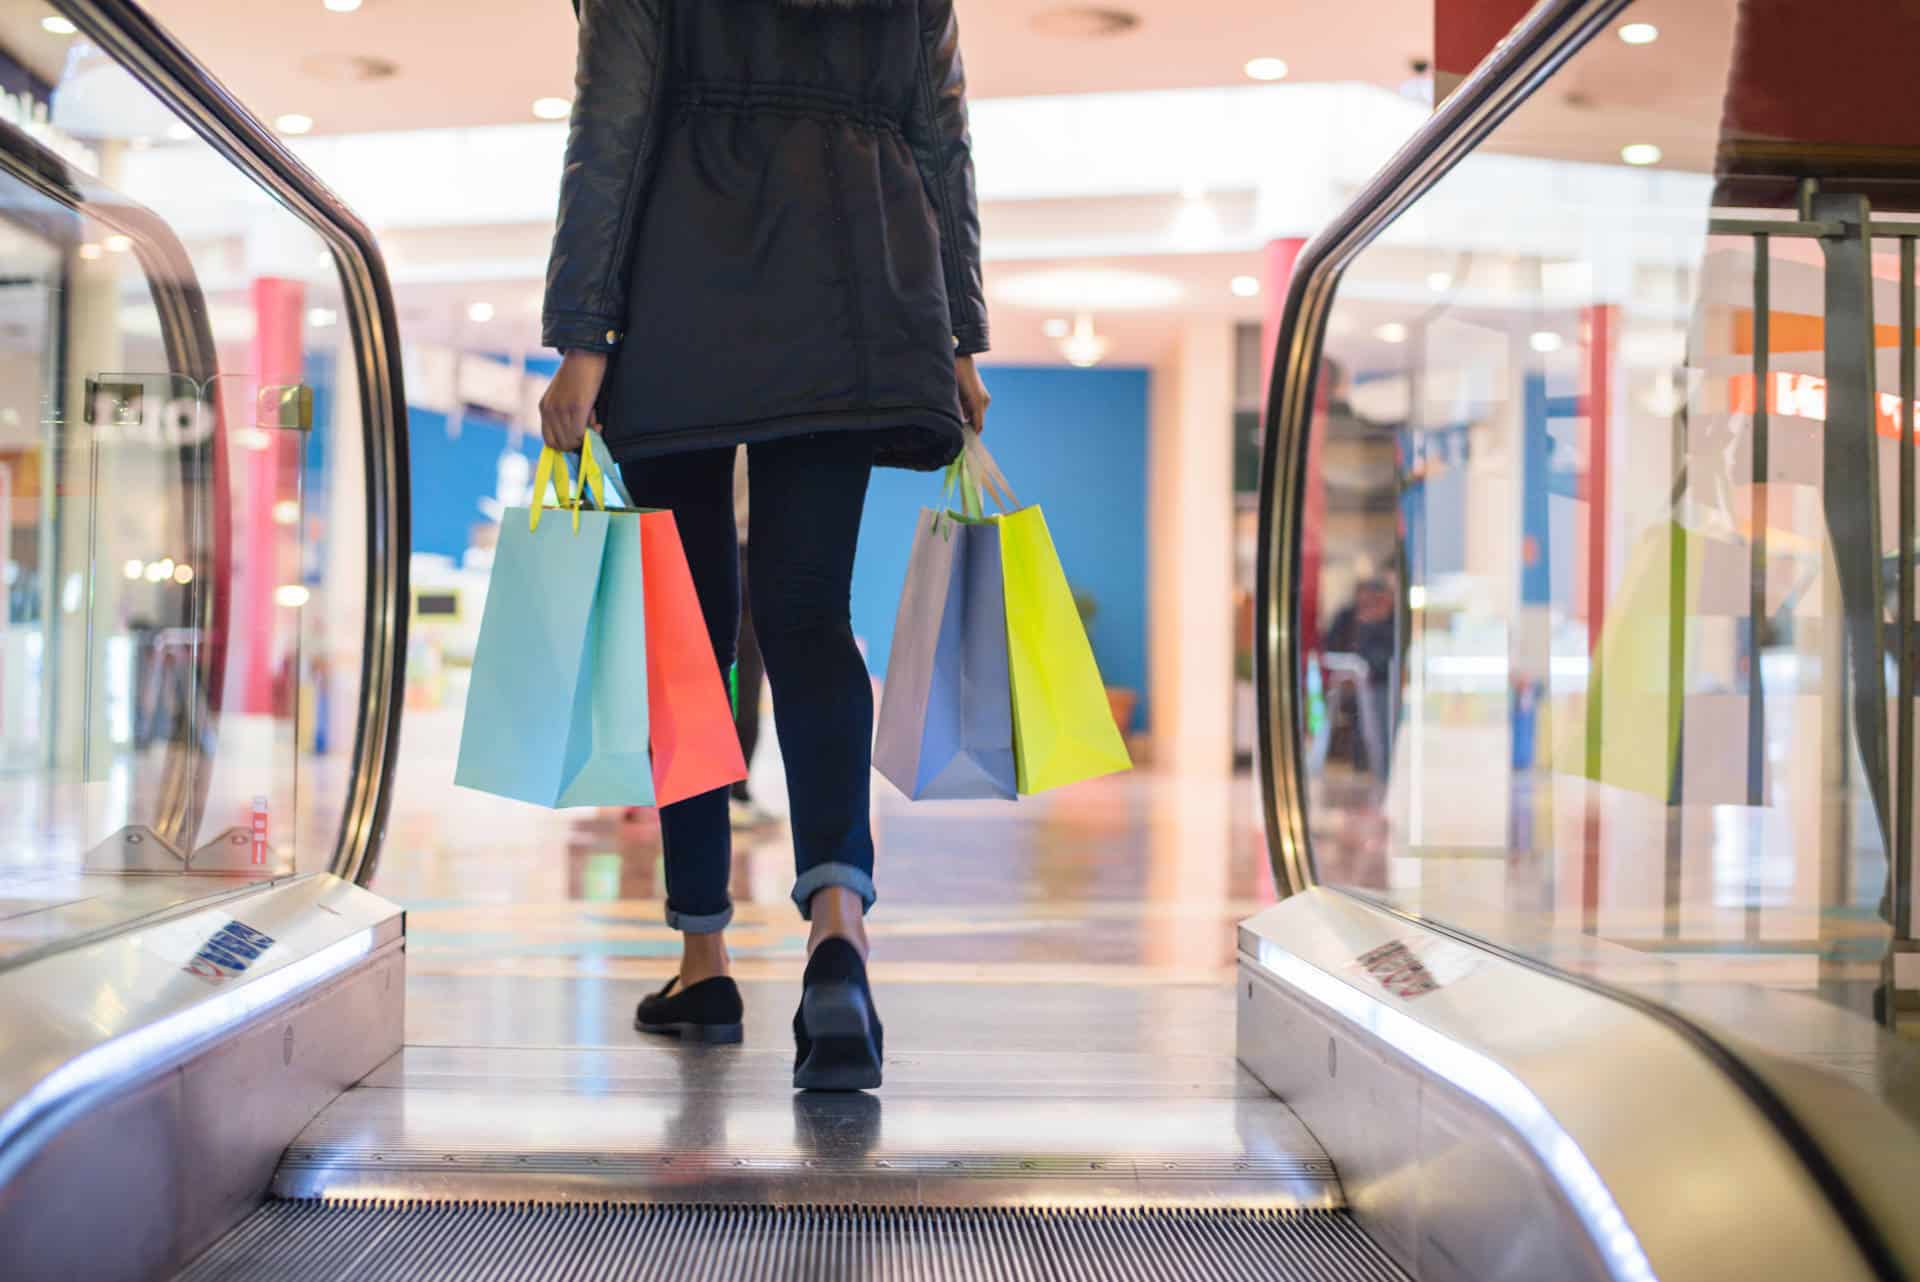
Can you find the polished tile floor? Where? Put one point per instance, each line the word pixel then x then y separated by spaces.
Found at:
pixel 1136 879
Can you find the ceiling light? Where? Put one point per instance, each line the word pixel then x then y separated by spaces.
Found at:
pixel 341 6
pixel 157 571
pixel 322 317
pixel 1088 289
pixel 1056 328
pixel 1083 348
pixel 134 569
pixel 1546 341
pixel 291 595
pixel 89 251
pixel 1391 332
pixel 183 574
pixel 254 438
pixel 293 123
pixel 178 131
pixel 480 313
pixel 1267 69
pixel 1196 224
pixel 119 244
pixel 57 25
pixel 286 512
pixel 1640 153
pixel 1439 282
pixel 1639 33
pixel 1244 286
pixel 553 108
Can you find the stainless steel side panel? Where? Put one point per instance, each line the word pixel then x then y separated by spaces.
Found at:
pixel 143 1106
pixel 1505 1124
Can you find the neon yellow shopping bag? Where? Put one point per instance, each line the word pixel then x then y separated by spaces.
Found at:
pixel 1063 726
pixel 1626 731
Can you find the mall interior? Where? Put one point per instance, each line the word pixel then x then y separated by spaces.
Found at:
pixel 1532 382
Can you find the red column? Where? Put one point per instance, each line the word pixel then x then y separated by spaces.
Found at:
pixel 1464 32
pixel 272 471
pixel 1601 325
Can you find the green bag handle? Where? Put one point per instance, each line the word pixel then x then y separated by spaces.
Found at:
pixel 974 471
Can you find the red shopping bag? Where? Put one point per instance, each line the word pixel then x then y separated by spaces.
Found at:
pixel 695 746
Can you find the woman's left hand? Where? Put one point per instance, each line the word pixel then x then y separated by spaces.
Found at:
pixel 566 410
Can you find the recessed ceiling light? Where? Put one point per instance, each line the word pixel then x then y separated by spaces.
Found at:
pixel 1391 332
pixel 1546 341
pixel 57 25
pixel 1439 282
pixel 1267 68
pixel 341 6
pixel 553 108
pixel 322 317
pixel 178 131
pixel 89 251
pixel 119 244
pixel 1056 328
pixel 291 595
pixel 1639 33
pixel 480 313
pixel 293 123
pixel 1640 153
pixel 1088 289
pixel 183 574
pixel 1244 286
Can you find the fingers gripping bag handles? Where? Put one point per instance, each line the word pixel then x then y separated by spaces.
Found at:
pixel 1063 726
pixel 557 709
pixel 946 716
pixel 695 746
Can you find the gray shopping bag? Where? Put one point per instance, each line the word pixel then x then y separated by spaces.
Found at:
pixel 946 711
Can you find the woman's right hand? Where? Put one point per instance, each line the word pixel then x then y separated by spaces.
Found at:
pixel 973 393
pixel 566 410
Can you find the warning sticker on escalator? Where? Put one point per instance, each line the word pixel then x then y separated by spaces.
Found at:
pixel 1418 966
pixel 228 953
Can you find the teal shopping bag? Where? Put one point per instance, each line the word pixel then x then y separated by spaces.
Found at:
pixel 557 705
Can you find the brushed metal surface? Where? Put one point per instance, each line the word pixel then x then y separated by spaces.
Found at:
pixel 714 1137
pixel 1490 1127
pixel 314 1242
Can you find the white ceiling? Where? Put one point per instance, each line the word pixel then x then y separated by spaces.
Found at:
pixel 470 62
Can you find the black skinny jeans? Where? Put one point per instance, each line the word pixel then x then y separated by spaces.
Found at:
pixel 803 527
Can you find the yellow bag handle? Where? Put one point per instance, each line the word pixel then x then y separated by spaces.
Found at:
pixel 552 469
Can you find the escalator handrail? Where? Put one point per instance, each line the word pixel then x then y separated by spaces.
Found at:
pixel 1545 39
pixel 1551 33
pixel 148 52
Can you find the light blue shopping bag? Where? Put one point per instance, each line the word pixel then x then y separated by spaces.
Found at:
pixel 557 706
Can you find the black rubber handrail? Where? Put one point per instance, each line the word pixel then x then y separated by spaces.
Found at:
pixel 146 50
pixel 1551 34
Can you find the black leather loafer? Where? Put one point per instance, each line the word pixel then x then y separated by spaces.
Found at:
pixel 709 1011
pixel 837 1037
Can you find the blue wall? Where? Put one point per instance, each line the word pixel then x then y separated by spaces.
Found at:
pixel 1073 442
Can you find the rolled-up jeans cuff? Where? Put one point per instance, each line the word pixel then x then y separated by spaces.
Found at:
pixel 820 876
pixel 699 923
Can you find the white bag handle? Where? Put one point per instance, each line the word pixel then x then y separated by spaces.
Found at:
pixel 988 472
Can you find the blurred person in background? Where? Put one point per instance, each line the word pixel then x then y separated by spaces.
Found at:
pixel 768 236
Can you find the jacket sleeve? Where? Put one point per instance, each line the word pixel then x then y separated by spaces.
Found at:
pixel 617 84
pixel 944 151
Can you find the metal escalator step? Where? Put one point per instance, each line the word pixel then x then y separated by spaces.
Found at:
pixel 312 1241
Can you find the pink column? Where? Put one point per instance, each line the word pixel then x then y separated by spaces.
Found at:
pixel 278 307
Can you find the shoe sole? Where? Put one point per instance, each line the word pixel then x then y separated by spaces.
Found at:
pixel 708 1034
pixel 843 1056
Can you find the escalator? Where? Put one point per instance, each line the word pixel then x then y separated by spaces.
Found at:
pixel 1483 1033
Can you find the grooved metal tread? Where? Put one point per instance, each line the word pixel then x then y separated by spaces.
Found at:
pixel 372 1240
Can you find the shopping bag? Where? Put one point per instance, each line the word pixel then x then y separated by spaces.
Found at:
pixel 1627 730
pixel 1063 726
pixel 946 713
pixel 695 745
pixel 557 706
